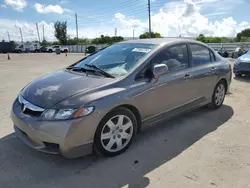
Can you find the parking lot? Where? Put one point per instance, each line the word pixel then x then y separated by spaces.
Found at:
pixel 203 148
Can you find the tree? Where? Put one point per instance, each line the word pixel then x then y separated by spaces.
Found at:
pixel 106 39
pixel 244 33
pixel 201 38
pixel 55 43
pixel 245 39
pixel 61 31
pixel 153 35
pixel 205 39
pixel 45 43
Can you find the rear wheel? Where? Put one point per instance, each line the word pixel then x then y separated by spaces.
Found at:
pixel 238 75
pixel 50 50
pixel 218 95
pixel 115 132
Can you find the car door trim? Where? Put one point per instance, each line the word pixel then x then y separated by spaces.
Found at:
pixel 176 110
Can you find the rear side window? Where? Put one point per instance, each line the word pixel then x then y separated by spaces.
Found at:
pixel 200 55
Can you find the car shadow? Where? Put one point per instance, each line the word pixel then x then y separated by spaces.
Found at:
pixel 244 78
pixel 24 167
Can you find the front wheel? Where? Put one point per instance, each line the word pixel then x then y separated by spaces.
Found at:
pixel 115 132
pixel 218 95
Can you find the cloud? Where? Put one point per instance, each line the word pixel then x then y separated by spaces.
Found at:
pixel 18 5
pixel 3 6
pixel 43 9
pixel 63 2
pixel 185 17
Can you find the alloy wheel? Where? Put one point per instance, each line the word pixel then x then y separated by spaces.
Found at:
pixel 116 133
pixel 219 94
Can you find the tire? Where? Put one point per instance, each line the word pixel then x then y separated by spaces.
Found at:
pixel 65 51
pixel 218 95
pixel 238 75
pixel 108 134
pixel 50 51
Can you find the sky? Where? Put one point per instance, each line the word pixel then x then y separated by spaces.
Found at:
pixel 171 18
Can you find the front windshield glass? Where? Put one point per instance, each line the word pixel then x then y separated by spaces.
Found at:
pixel 118 59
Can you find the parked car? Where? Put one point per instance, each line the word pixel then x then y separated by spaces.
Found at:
pixel 239 51
pixel 100 102
pixel 55 47
pixel 222 52
pixel 242 65
pixel 27 47
pixel 90 49
pixel 43 49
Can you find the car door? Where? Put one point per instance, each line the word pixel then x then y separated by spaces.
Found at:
pixel 171 91
pixel 204 70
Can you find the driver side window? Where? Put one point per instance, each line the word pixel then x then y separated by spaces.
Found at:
pixel 175 57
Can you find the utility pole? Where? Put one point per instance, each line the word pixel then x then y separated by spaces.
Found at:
pixel 43 34
pixel 76 27
pixel 9 36
pixel 21 34
pixel 149 19
pixel 115 32
pixel 38 32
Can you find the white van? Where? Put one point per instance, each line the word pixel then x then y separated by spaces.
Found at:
pixel 30 47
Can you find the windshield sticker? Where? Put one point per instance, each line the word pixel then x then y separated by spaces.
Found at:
pixel 143 50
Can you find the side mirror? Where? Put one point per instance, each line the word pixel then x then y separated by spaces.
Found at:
pixel 159 70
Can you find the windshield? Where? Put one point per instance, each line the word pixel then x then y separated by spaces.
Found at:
pixel 118 59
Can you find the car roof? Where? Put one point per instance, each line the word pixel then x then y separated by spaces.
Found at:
pixel 161 41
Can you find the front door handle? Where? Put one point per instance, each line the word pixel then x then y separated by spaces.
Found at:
pixel 187 76
pixel 213 69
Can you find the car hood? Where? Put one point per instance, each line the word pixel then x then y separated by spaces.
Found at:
pixel 245 58
pixel 53 88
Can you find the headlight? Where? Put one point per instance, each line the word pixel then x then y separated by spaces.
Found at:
pixel 237 61
pixel 52 114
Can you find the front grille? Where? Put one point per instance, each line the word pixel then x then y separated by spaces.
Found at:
pixel 32 113
pixel 29 108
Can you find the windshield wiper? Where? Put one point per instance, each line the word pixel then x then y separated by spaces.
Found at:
pixel 77 69
pixel 99 70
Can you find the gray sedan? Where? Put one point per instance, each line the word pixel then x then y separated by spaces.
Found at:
pixel 100 102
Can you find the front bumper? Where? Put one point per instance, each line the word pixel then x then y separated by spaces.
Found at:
pixel 240 69
pixel 70 138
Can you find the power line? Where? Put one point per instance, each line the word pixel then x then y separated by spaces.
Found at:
pixel 117 6
pixel 104 13
pixel 96 18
